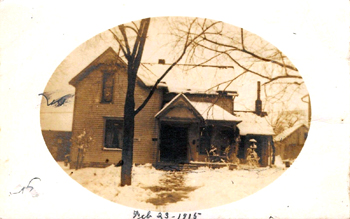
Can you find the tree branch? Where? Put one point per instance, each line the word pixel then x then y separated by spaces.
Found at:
pixel 142 39
pixel 137 41
pixel 282 76
pixel 228 81
pixel 133 29
pixel 242 40
pixel 186 45
pixel 252 54
pixel 122 30
pixel 120 44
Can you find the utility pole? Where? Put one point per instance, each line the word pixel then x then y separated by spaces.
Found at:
pixel 309 108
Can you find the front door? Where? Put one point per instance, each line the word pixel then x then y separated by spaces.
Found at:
pixel 173 146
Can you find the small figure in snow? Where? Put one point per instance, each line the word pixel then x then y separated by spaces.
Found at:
pixel 234 151
pixel 231 151
pixel 213 150
pixel 213 155
pixel 252 156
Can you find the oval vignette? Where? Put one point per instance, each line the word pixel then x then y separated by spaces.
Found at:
pixel 212 111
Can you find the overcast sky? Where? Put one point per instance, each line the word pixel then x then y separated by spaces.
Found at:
pixel 157 47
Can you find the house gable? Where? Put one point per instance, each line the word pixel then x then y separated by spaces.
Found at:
pixel 302 128
pixel 179 108
pixel 108 60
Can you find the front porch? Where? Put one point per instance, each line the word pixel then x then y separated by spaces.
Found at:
pixel 188 130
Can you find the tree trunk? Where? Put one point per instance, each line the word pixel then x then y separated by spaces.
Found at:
pixel 128 130
pixel 134 60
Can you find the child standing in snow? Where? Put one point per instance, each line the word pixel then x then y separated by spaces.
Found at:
pixel 252 156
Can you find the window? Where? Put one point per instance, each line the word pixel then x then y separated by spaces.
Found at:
pixel 107 92
pixel 114 133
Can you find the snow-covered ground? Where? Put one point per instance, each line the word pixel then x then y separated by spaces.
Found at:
pixel 159 190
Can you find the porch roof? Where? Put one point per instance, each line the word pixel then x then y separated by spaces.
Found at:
pixel 253 124
pixel 203 110
pixel 175 101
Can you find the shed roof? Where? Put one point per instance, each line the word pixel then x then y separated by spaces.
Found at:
pixel 253 124
pixel 289 131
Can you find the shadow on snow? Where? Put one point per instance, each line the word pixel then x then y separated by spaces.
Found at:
pixel 171 189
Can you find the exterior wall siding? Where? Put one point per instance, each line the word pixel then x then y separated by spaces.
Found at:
pixel 58 143
pixel 90 114
pixel 291 146
pixel 193 141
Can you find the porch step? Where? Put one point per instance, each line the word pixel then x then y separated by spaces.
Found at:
pixel 191 166
pixel 176 167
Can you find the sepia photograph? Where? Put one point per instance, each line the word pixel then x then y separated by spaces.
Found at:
pixel 163 112
pixel 174 110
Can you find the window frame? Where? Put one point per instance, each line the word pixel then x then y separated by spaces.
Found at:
pixel 105 128
pixel 105 76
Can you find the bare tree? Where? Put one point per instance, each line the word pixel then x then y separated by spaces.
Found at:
pixel 248 53
pixel 133 56
pixel 284 119
pixel 133 51
pixel 197 42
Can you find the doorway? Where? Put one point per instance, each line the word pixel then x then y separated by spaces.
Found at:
pixel 173 146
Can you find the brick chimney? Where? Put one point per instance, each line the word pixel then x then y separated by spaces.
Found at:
pixel 258 102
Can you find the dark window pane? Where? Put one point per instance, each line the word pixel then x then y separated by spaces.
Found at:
pixel 114 133
pixel 108 82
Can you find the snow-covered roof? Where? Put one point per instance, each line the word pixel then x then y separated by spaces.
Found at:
pixel 177 97
pixel 288 132
pixel 148 77
pixel 214 112
pixel 198 79
pixel 253 124
pixel 207 111
pixel 110 57
pixel 189 79
pixel 173 89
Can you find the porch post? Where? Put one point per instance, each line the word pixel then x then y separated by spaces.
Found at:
pixel 158 140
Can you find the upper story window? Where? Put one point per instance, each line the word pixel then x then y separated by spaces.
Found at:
pixel 107 89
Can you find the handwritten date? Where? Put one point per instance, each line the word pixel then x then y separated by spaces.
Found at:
pixel 166 215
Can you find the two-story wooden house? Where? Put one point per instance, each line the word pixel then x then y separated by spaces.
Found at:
pixel 176 126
